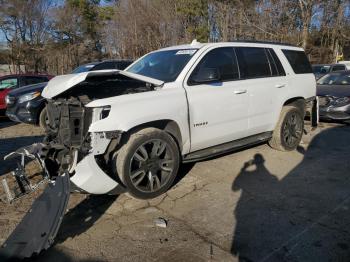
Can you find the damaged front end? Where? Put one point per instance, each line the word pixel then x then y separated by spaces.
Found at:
pixel 72 157
pixel 71 148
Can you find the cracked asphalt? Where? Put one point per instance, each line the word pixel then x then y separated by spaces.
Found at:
pixel 253 205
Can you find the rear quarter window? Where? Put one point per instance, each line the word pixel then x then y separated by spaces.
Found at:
pixel 298 61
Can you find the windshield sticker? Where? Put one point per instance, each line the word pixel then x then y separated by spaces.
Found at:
pixel 186 52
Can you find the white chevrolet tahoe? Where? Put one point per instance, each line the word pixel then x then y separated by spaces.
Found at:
pixel 115 131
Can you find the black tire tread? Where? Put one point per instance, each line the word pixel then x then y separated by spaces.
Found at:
pixel 42 118
pixel 276 141
pixel 122 155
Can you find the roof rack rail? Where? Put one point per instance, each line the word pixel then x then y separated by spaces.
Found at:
pixel 262 42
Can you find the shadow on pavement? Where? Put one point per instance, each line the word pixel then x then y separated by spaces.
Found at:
pixel 84 215
pixel 5 122
pixel 305 216
pixel 77 221
pixel 56 255
pixel 183 171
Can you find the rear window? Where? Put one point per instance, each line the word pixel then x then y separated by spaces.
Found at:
pixel 253 62
pixel 338 68
pixel 30 80
pixel 104 66
pixel 298 61
pixel 124 64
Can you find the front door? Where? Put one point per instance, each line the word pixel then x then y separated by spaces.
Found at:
pixel 218 102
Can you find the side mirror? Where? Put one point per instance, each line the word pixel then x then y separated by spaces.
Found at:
pixel 206 75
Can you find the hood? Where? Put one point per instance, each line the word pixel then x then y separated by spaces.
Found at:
pixel 60 84
pixel 28 89
pixel 333 90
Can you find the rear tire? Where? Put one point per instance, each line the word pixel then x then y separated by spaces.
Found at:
pixel 148 163
pixel 289 129
pixel 43 119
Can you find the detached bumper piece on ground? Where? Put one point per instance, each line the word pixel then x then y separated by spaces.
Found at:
pixel 39 227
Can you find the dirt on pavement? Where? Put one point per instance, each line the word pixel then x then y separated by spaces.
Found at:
pixel 254 205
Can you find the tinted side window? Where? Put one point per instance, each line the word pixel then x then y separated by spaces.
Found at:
pixel 123 64
pixel 31 80
pixel 276 61
pixel 223 59
pixel 338 68
pixel 104 66
pixel 253 62
pixel 298 61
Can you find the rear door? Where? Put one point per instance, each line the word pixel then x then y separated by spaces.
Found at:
pixel 264 78
pixel 218 110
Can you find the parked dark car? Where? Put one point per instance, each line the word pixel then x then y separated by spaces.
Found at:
pixel 10 82
pixel 28 106
pixel 108 64
pixel 324 69
pixel 333 91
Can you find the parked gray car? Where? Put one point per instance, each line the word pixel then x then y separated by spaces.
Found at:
pixel 324 69
pixel 333 91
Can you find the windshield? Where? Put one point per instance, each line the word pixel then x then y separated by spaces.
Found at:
pixel 334 79
pixel 163 65
pixel 83 68
pixel 321 69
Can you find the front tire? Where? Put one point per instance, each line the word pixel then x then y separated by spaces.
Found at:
pixel 148 163
pixel 43 119
pixel 289 129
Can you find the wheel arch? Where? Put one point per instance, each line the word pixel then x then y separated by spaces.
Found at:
pixel 297 101
pixel 167 125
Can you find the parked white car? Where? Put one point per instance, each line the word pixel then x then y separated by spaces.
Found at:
pixel 116 131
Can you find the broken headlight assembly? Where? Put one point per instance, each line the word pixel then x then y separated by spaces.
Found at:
pixel 342 101
pixel 105 112
pixel 28 97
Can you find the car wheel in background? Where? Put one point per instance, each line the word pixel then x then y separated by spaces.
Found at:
pixel 43 120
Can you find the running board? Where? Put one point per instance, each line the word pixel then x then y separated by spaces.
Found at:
pixel 227 147
pixel 39 227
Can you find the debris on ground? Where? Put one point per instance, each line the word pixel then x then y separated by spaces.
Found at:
pixel 161 222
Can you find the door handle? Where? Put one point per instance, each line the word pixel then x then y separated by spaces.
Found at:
pixel 238 92
pixel 280 85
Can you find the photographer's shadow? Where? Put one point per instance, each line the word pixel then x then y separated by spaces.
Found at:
pixel 302 216
pixel 257 185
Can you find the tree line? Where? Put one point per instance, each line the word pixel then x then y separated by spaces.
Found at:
pixel 55 36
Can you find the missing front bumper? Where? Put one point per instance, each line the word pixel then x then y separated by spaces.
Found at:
pixel 39 227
